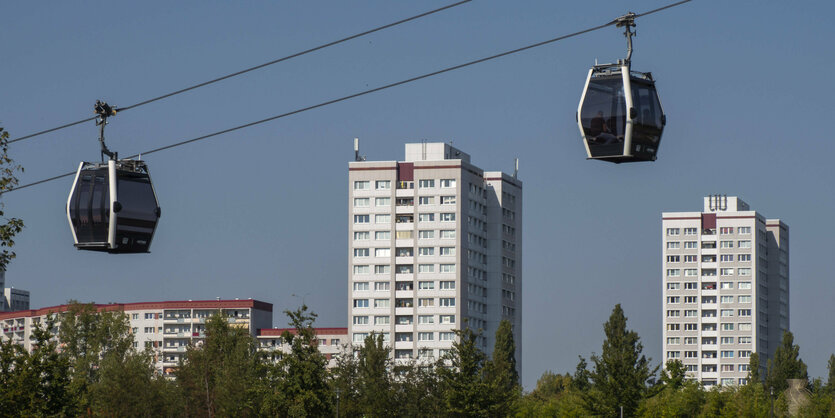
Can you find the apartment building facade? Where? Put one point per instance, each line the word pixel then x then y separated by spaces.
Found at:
pixel 435 245
pixel 725 289
pixel 164 328
pixel 331 342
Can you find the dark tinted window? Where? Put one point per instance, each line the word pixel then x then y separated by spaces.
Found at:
pixel 603 116
pixel 648 125
pixel 137 199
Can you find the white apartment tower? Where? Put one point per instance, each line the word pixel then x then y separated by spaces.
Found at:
pixel 435 244
pixel 726 289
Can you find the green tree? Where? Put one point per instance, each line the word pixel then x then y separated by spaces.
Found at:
pixel 223 375
pixel 501 371
pixel 582 378
pixel 86 337
pixel 375 381
pixel 9 227
pixel 36 383
pixel 675 397
pixel 786 364
pixel 299 385
pixel 465 389
pixel 754 369
pixel 129 386
pixel 621 372
pixel 417 390
pixel 830 382
pixel 344 383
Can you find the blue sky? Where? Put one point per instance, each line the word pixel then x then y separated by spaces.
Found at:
pixel 261 212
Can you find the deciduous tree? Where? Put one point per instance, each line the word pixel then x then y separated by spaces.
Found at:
pixel 786 364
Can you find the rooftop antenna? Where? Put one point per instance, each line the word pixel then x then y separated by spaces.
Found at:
pixel 516 168
pixel 357 156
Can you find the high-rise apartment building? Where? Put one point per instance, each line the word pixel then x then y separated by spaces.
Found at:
pixel 726 289
pixel 435 245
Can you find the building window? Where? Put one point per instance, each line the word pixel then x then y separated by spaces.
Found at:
pixel 426 183
pixel 744 244
pixel 426 200
pixel 674 313
pixel 690 341
pixel 446 336
pixel 359 337
pixel 362 185
pixel 382 219
pixel 743 257
pixel 691 286
pixel 726 230
pixel 691 327
pixel 425 302
pixel 744 285
pixel 673 272
pixel 382 320
pixel 382 252
pixel 726 285
pixel 691 245
pixel 360 252
pixel 447 233
pixel 383 184
pixel 447 268
pixel 362 269
pixel 361 235
pixel 426 285
pixel 424 234
pixel 447 183
pixel 673 340
pixel 745 299
pixel 745 327
pixel 727 312
pixel 382 269
pixel 673 327
pixel 360 286
pixel 691 258
pixel 673 286
pixel 691 231
pixel 447 217
pixel 744 272
pixel 726 272
pixel 447 319
pixel 426 251
pixel 382 286
pixel 673 258
pixel 447 285
pixel 727 299
pixel 673 354
pixel 727 327
pixel 426 268
pixel 691 313
pixel 744 312
pixel 426 217
pixel 726 257
pixel 361 219
pixel 744 353
pixel 673 231
pixel 382 303
pixel 447 302
pixel 426 319
pixel 673 299
pixel 447 251
pixel 726 244
pixel 673 245
pixel 382 201
pixel 360 303
pixel 690 299
pixel 361 202
pixel 744 230
pixel 426 336
pixel 744 340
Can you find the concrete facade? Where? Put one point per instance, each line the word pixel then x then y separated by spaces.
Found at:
pixel 725 279
pixel 435 245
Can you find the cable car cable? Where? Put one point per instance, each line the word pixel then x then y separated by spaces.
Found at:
pixel 362 93
pixel 246 70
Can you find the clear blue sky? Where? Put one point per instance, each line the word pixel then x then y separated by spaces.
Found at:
pixel 262 212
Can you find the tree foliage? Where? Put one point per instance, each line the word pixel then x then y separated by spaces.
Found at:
pixel 785 365
pixel 621 372
pixel 221 376
pixel 298 382
pixel 9 227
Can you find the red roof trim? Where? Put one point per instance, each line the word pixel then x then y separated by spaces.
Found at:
pixel 736 217
pixel 429 167
pixel 686 218
pixel 276 332
pixel 198 304
pixel 370 168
